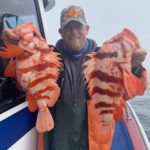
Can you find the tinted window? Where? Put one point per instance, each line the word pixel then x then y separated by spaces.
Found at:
pixel 13 13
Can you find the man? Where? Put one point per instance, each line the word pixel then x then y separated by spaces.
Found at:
pixel 70 112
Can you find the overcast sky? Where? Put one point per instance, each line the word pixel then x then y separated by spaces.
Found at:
pixel 107 18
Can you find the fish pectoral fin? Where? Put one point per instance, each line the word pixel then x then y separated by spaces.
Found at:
pixel 133 85
pixel 32 105
pixel 10 70
pixel 10 51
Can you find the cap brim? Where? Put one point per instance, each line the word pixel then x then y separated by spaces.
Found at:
pixel 73 19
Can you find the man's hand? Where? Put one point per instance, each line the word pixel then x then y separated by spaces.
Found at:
pixel 9 37
pixel 138 57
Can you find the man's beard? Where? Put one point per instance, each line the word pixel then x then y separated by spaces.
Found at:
pixel 76 45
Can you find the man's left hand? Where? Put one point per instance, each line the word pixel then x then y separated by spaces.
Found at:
pixel 138 57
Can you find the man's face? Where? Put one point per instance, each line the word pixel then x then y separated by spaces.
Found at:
pixel 74 35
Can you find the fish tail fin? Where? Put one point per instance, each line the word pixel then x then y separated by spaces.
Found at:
pixel 31 102
pixel 10 51
pixel 100 135
pixel 44 120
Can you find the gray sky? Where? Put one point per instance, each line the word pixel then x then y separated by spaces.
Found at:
pixel 107 18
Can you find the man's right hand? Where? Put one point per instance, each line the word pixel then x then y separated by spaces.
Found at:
pixel 9 37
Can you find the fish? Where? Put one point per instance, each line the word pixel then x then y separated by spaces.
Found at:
pixel 35 67
pixel 108 77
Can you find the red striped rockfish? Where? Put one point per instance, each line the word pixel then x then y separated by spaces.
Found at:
pixel 36 69
pixel 107 73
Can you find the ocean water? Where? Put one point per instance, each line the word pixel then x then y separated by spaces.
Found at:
pixel 141 105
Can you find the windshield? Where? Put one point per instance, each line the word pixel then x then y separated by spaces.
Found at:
pixel 16 12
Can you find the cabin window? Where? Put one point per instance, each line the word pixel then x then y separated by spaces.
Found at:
pixel 15 12
pixel 12 14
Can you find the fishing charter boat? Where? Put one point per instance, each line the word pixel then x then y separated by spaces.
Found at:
pixel 17 123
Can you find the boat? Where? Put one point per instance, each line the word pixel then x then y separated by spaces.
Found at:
pixel 129 133
pixel 17 123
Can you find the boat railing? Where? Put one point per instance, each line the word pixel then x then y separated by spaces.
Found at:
pixel 129 114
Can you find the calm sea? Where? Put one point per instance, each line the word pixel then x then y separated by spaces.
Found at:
pixel 141 105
